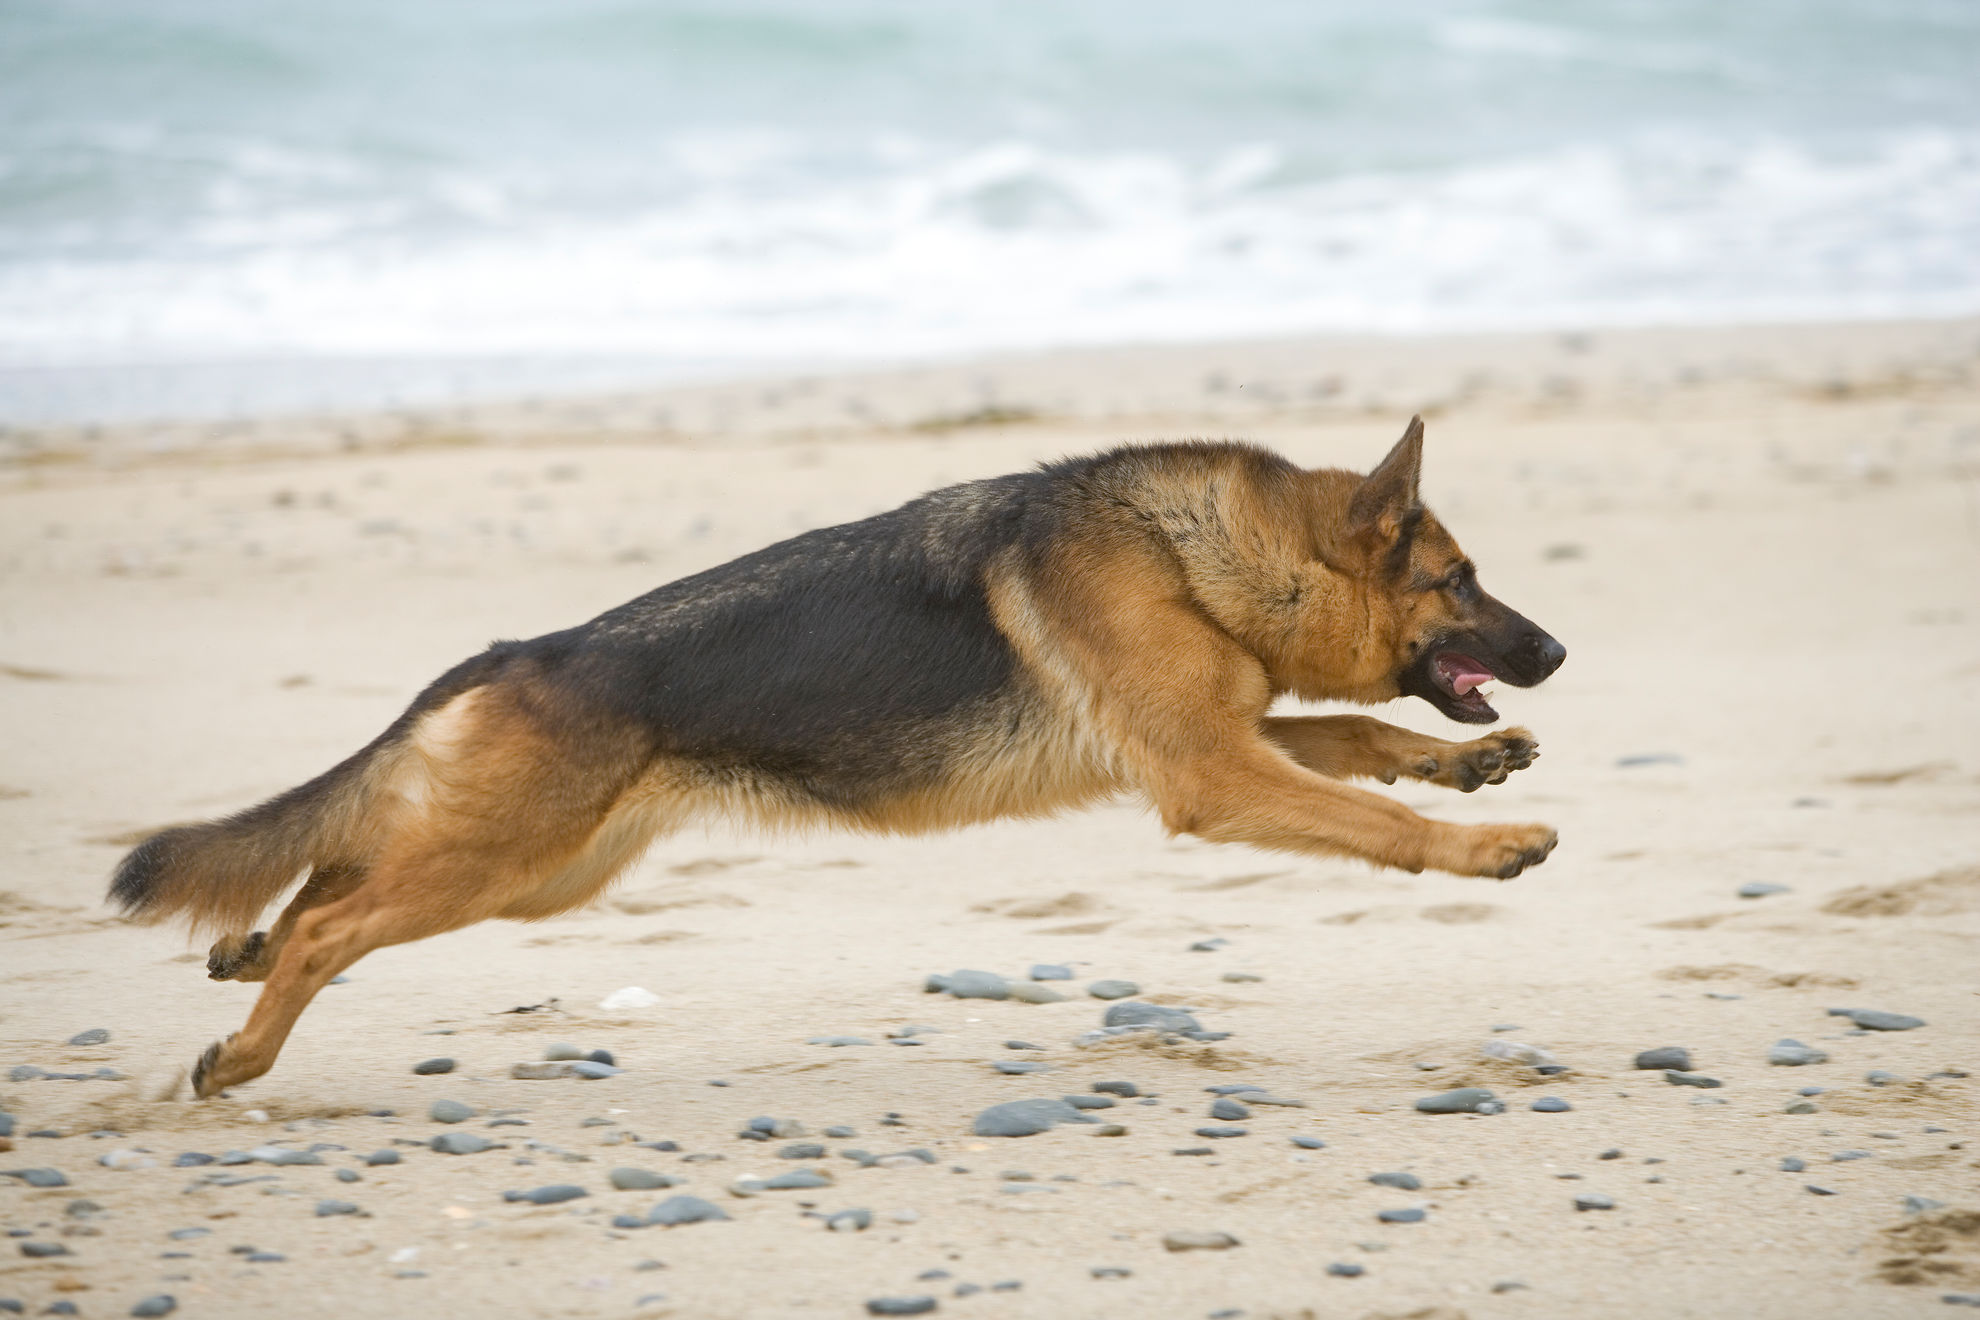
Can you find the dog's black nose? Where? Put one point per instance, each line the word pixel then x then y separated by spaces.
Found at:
pixel 1545 653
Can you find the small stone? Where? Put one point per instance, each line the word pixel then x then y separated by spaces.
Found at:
pixel 1020 1067
pixel 23 1072
pixel 602 1056
pixel 1878 1077
pixel 1673 1057
pixel 1760 889
pixel 1030 992
pixel 562 1051
pixel 1810 1090
pixel 554 1194
pixel 1222 1133
pixel 1111 1130
pixel 850 1221
pixel 1309 1143
pixel 840 1132
pixel 592 1070
pixel 838 1042
pixel 1960 1299
pixel 1125 1090
pixel 1409 1216
pixel 1594 1201
pixel 460 1143
pixel 802 1150
pixel 433 1067
pixel 188 1234
pixel 1844 1156
pixel 1821 1191
pixel 1050 972
pixel 1137 1014
pixel 1261 1098
pixel 125 1161
pixel 781 1128
pixel 382 1157
pixel 349 1176
pixel 539 1072
pixel 1346 1270
pixel 1402 1182
pixel 1109 1272
pixel 1801 1107
pixel 1090 1101
pixel 1240 978
pixel 282 1155
pixel 449 1111
pixel 43 1250
pixel 1676 1078
pixel 1024 1118
pixel 1789 1164
pixel 1209 945
pixel 1198 1241
pixel 968 984
pixel 1226 1108
pixel 920 1305
pixel 640 1180
pixel 1871 1019
pixel 327 1209
pixel 1508 1285
pixel 38 1177
pixel 162 1304
pixel 1919 1205
pixel 1789 1053
pixel 684 1210
pixel 94 1036
pixel 1463 1100
pixel 1550 1104
pixel 1113 989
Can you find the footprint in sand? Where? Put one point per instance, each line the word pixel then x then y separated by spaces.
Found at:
pixel 1073 904
pixel 1460 914
pixel 1941 895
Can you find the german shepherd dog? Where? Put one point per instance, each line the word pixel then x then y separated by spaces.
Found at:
pixel 1008 647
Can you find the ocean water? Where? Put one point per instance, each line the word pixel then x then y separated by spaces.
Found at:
pixel 221 206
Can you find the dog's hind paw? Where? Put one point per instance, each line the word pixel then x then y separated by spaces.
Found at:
pixel 230 957
pixel 203 1070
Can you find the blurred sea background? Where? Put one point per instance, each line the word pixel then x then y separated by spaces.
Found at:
pixel 222 207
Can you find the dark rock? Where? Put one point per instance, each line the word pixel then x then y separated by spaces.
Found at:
pixel 1020 1067
pixel 1198 1240
pixel 1346 1270
pixel 1226 1108
pixel 433 1067
pixel 1113 990
pixel 1550 1104
pixel 1792 1165
pixel 1409 1216
pixel 1878 1077
pixel 1790 1053
pixel 684 1210
pixel 850 1221
pixel 1137 1014
pixel 802 1150
pixel 1674 1057
pixel 1110 1272
pixel 94 1036
pixel 781 1128
pixel 387 1156
pixel 1090 1101
pixel 840 1132
pixel 837 1042
pixel 1843 1156
pixel 43 1250
pixel 591 1070
pixel 967 984
pixel 162 1304
pixel 641 1180
pixel 1125 1090
pixel 1676 1078
pixel 1760 889
pixel 1463 1100
pixel 1871 1019
pixel 601 1056
pixel 554 1194
pixel 192 1159
pixel 349 1176
pixel 1051 972
pixel 1594 1201
pixel 1402 1182
pixel 921 1305
pixel 1220 1133
pixel 1209 945
pixel 1309 1143
pixel 37 1177
pixel 265 1258
pixel 1821 1191
pixel 326 1209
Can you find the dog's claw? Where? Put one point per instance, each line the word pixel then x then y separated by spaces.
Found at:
pixel 204 1068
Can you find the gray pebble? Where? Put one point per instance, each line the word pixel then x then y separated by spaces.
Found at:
pixel 162 1304
pixel 1234 1088
pixel 602 1056
pixel 1220 1133
pixel 562 1052
pixel 798 1180
pixel 1113 989
pixel 1871 1019
pixel 188 1234
pixel 1402 1182
pixel 1810 1090
pixel 1226 1108
pixel 1198 1240
pixel 1137 1014
pixel 968 984
pixel 1790 1164
pixel 1801 1107
pixel 1110 1272
pixel 1309 1143
pixel 449 1111
pixel 1594 1201
pixel 433 1067
pixel 781 1128
pixel 1090 1101
pixel 1821 1191
pixel 1878 1077
pixel 282 1155
pixel 1024 1118
pixel 460 1143
pixel 1019 1067
pixel 1409 1216
pixel 1125 1090
pixel 192 1159
pixel 325 1209
pixel 94 1036
pixel 1550 1104
pixel 43 1250
pixel 554 1194
pixel 1031 992
pixel 6 1125
pixel 1919 1205
pixel 1960 1299
pixel 1241 978
pixel 38 1177
pixel 1789 1053
pixel 1463 1100
pixel 641 1180
pixel 1051 972
pixel 840 1132
pixel 1676 1078
pixel 921 1305
pixel 382 1157
pixel 684 1210
pixel 850 1221
pixel 802 1150
pixel 1760 889
pixel 838 1042
pixel 592 1070
pixel 349 1176
pixel 1843 1156
pixel 1346 1270
pixel 1209 945
pixel 1674 1057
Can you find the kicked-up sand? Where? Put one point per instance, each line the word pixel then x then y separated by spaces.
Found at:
pixel 1761 548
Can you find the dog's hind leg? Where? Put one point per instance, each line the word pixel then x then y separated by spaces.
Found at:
pixel 1358 746
pixel 252 957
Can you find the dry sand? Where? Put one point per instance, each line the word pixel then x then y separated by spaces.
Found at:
pixel 1762 549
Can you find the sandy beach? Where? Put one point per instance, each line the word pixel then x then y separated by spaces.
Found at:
pixel 1761 547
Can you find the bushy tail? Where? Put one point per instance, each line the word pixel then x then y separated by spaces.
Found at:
pixel 219 875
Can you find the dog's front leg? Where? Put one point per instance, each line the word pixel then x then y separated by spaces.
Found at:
pixel 1358 746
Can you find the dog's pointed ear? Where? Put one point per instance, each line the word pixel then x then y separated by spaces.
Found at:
pixel 1390 491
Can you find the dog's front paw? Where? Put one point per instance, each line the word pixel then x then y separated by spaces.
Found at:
pixel 1503 851
pixel 1468 765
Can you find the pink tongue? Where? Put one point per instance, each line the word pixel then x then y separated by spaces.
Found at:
pixel 1464 680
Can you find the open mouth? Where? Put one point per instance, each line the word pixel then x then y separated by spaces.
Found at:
pixel 1461 678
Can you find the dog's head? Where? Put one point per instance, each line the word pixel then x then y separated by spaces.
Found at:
pixel 1425 619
